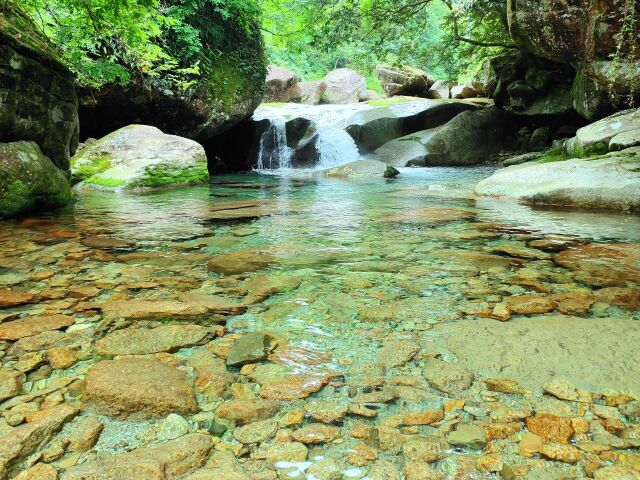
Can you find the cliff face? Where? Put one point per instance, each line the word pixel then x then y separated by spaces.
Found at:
pixel 37 91
pixel 598 37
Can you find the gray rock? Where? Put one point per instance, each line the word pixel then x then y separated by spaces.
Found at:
pixel 344 86
pixel 440 90
pixel 373 128
pixel 282 85
pixel 611 181
pixel 140 156
pixel 464 91
pixel 363 169
pixel 595 138
pixel 311 92
pixel 404 80
pixel 29 181
pixel 470 138
pixel 590 100
pixel 249 348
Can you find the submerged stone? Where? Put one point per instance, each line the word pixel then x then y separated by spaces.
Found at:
pixel 138 387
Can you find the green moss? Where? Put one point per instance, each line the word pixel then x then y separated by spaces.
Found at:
pixel 273 104
pixel 387 102
pixel 106 182
pixel 98 164
pixel 162 175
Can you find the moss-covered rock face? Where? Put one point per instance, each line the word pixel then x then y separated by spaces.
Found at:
pixel 585 33
pixel 37 92
pixel 139 156
pixel 227 91
pixel 29 181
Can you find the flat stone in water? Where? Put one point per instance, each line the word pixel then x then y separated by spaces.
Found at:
pixel 249 348
pixel 139 388
pixel 31 326
pixel 10 298
pixel 242 261
pixel 140 341
pixel 431 215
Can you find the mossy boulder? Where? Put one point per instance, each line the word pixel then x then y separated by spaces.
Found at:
pixel 139 156
pixel 363 169
pixel 227 90
pixel 29 181
pixel 38 95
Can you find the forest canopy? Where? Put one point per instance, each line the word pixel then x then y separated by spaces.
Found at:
pixel 106 41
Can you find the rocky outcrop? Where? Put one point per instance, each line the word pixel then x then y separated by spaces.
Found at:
pixel 440 90
pixel 372 128
pixel 611 181
pixel 227 90
pixel 344 86
pixel 29 181
pixel 404 80
pixel 470 138
pixel 282 86
pixel 39 102
pixel 617 132
pixel 585 34
pixel 140 156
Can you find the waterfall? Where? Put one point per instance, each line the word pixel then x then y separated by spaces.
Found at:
pixel 333 145
pixel 274 153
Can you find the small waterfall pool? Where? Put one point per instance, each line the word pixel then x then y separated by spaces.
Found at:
pixel 334 145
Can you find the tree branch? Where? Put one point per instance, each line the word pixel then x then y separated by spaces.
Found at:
pixel 478 43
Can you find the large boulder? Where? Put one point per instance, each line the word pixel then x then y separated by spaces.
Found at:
pixel 584 33
pixel 440 90
pixel 311 92
pixel 29 181
pixel 39 101
pixel 404 80
pixel 372 128
pixel 470 138
pixel 604 135
pixel 282 85
pixel 140 156
pixel 590 100
pixel 228 88
pixel 344 86
pixel 611 181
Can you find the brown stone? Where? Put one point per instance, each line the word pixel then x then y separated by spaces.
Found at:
pixel 610 265
pixel 84 434
pixel 316 433
pixel 242 261
pixel 430 215
pixel 560 452
pixel 530 304
pixel 9 298
pixel 249 410
pixel 164 462
pixel 503 385
pixel 396 353
pixel 575 303
pixel 426 417
pixel 628 298
pixel 551 427
pixel 62 358
pixel 26 439
pixel 295 386
pixel 40 471
pixel 30 326
pixel 212 377
pixel 530 444
pixel 501 312
pixel 151 310
pixel 138 387
pixel 10 383
pixel 141 341
pixel 566 391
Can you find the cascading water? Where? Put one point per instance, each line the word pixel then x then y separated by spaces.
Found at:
pixel 274 153
pixel 334 145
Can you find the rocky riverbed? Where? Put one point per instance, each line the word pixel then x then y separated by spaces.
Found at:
pixel 279 328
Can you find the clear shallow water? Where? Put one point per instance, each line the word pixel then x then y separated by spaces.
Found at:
pixel 417 259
